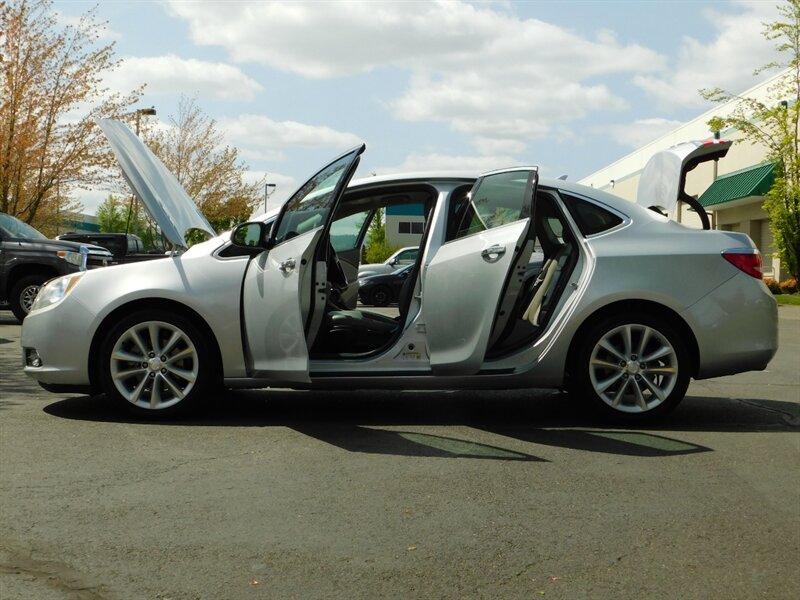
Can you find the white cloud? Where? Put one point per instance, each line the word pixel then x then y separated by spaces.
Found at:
pixel 172 74
pixel 639 132
pixel 489 74
pixel 727 62
pixel 260 131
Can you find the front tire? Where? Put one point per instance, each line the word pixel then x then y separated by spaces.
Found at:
pixel 632 367
pixel 380 296
pixel 24 292
pixel 157 364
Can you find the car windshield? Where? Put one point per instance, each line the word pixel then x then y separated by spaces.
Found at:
pixel 13 227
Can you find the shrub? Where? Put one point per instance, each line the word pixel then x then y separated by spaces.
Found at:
pixel 377 252
pixel 772 285
pixel 788 286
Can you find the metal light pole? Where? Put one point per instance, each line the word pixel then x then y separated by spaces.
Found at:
pixel 150 112
pixel 267 186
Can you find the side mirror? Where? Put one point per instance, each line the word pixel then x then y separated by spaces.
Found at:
pixel 250 235
pixel 393 262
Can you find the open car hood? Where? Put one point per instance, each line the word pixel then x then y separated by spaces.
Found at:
pixel 157 188
pixel 664 176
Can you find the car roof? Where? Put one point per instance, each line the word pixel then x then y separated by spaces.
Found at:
pixel 615 202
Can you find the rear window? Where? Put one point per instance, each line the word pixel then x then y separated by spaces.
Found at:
pixel 590 218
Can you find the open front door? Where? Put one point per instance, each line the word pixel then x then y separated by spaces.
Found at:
pixel 285 287
pixel 468 276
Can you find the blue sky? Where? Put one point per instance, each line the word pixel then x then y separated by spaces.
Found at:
pixel 568 85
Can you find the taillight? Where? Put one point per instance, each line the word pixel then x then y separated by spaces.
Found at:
pixel 745 259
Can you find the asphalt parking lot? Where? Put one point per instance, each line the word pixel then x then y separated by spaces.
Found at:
pixel 402 495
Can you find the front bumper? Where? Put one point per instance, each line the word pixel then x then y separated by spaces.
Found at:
pixel 61 335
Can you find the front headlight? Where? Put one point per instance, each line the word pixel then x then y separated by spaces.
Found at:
pixel 55 290
pixel 73 258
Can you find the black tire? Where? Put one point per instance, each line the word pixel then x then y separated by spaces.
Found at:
pixel 637 380
pixel 380 296
pixel 23 293
pixel 135 374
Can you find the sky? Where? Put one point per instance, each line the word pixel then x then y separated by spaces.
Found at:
pixel 570 86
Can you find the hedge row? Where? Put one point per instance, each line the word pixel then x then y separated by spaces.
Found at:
pixel 787 286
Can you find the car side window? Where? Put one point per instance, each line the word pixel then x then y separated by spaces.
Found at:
pixel 346 232
pixel 310 206
pixel 590 217
pixel 407 256
pixel 495 200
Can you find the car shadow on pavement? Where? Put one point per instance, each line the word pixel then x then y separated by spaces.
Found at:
pixel 367 421
pixel 6 318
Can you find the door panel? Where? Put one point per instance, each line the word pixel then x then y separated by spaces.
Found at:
pixel 282 304
pixel 461 294
pixel 468 276
pixel 274 310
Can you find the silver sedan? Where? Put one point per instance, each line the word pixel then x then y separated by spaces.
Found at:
pixel 520 282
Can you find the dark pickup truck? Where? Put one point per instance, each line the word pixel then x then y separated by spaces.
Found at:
pixel 28 259
pixel 124 247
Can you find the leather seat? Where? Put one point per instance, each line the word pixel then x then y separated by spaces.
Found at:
pixel 365 331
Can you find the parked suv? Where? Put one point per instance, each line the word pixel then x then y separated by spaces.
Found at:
pixel 28 259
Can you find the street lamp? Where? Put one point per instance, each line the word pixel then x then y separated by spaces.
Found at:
pixel 267 187
pixel 149 112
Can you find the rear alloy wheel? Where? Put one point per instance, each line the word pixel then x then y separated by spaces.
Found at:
pixel 380 296
pixel 24 293
pixel 633 367
pixel 157 364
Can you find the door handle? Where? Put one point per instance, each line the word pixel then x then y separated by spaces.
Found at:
pixel 493 253
pixel 288 265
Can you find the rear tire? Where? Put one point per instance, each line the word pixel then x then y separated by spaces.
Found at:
pixel 157 364
pixel 24 292
pixel 632 367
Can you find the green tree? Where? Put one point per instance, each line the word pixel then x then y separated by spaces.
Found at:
pixel 112 215
pixel 117 216
pixel 50 95
pixel 775 124
pixel 377 249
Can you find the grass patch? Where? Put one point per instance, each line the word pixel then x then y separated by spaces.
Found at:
pixel 792 299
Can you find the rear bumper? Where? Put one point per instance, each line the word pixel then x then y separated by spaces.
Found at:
pixel 736 328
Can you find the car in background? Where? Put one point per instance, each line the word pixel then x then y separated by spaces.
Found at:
pixel 626 308
pixel 125 247
pixel 401 258
pixel 380 290
pixel 28 259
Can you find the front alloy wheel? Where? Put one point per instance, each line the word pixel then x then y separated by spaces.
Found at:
pixel 152 363
pixel 635 368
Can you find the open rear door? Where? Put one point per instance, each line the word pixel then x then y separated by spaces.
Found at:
pixel 285 287
pixel 466 279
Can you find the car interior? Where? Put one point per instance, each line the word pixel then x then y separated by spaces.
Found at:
pixel 348 331
pixel 351 331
